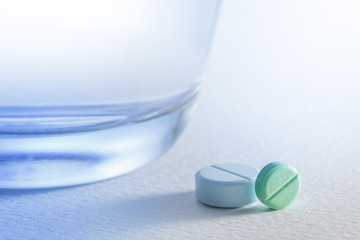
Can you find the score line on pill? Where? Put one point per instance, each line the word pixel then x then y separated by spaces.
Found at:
pixel 227 185
pixel 277 185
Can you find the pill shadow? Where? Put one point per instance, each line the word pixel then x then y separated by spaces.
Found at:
pixel 122 215
pixel 6 193
pixel 255 208
pixel 178 206
pixel 161 209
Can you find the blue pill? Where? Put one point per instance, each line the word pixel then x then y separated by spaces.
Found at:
pixel 226 185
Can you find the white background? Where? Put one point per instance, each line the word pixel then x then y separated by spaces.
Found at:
pixel 281 85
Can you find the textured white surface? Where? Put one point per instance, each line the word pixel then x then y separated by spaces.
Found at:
pixel 281 85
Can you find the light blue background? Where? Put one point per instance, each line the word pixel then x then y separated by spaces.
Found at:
pixel 282 84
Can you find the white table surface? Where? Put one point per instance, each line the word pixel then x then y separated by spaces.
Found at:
pixel 282 84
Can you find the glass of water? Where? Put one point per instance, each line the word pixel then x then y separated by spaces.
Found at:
pixel 92 89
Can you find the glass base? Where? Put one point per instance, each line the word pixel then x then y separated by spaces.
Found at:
pixel 39 160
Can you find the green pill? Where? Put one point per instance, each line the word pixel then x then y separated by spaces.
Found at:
pixel 277 185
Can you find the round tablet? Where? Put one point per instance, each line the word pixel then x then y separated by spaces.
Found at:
pixel 277 185
pixel 226 185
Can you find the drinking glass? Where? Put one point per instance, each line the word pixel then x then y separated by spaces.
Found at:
pixel 92 89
